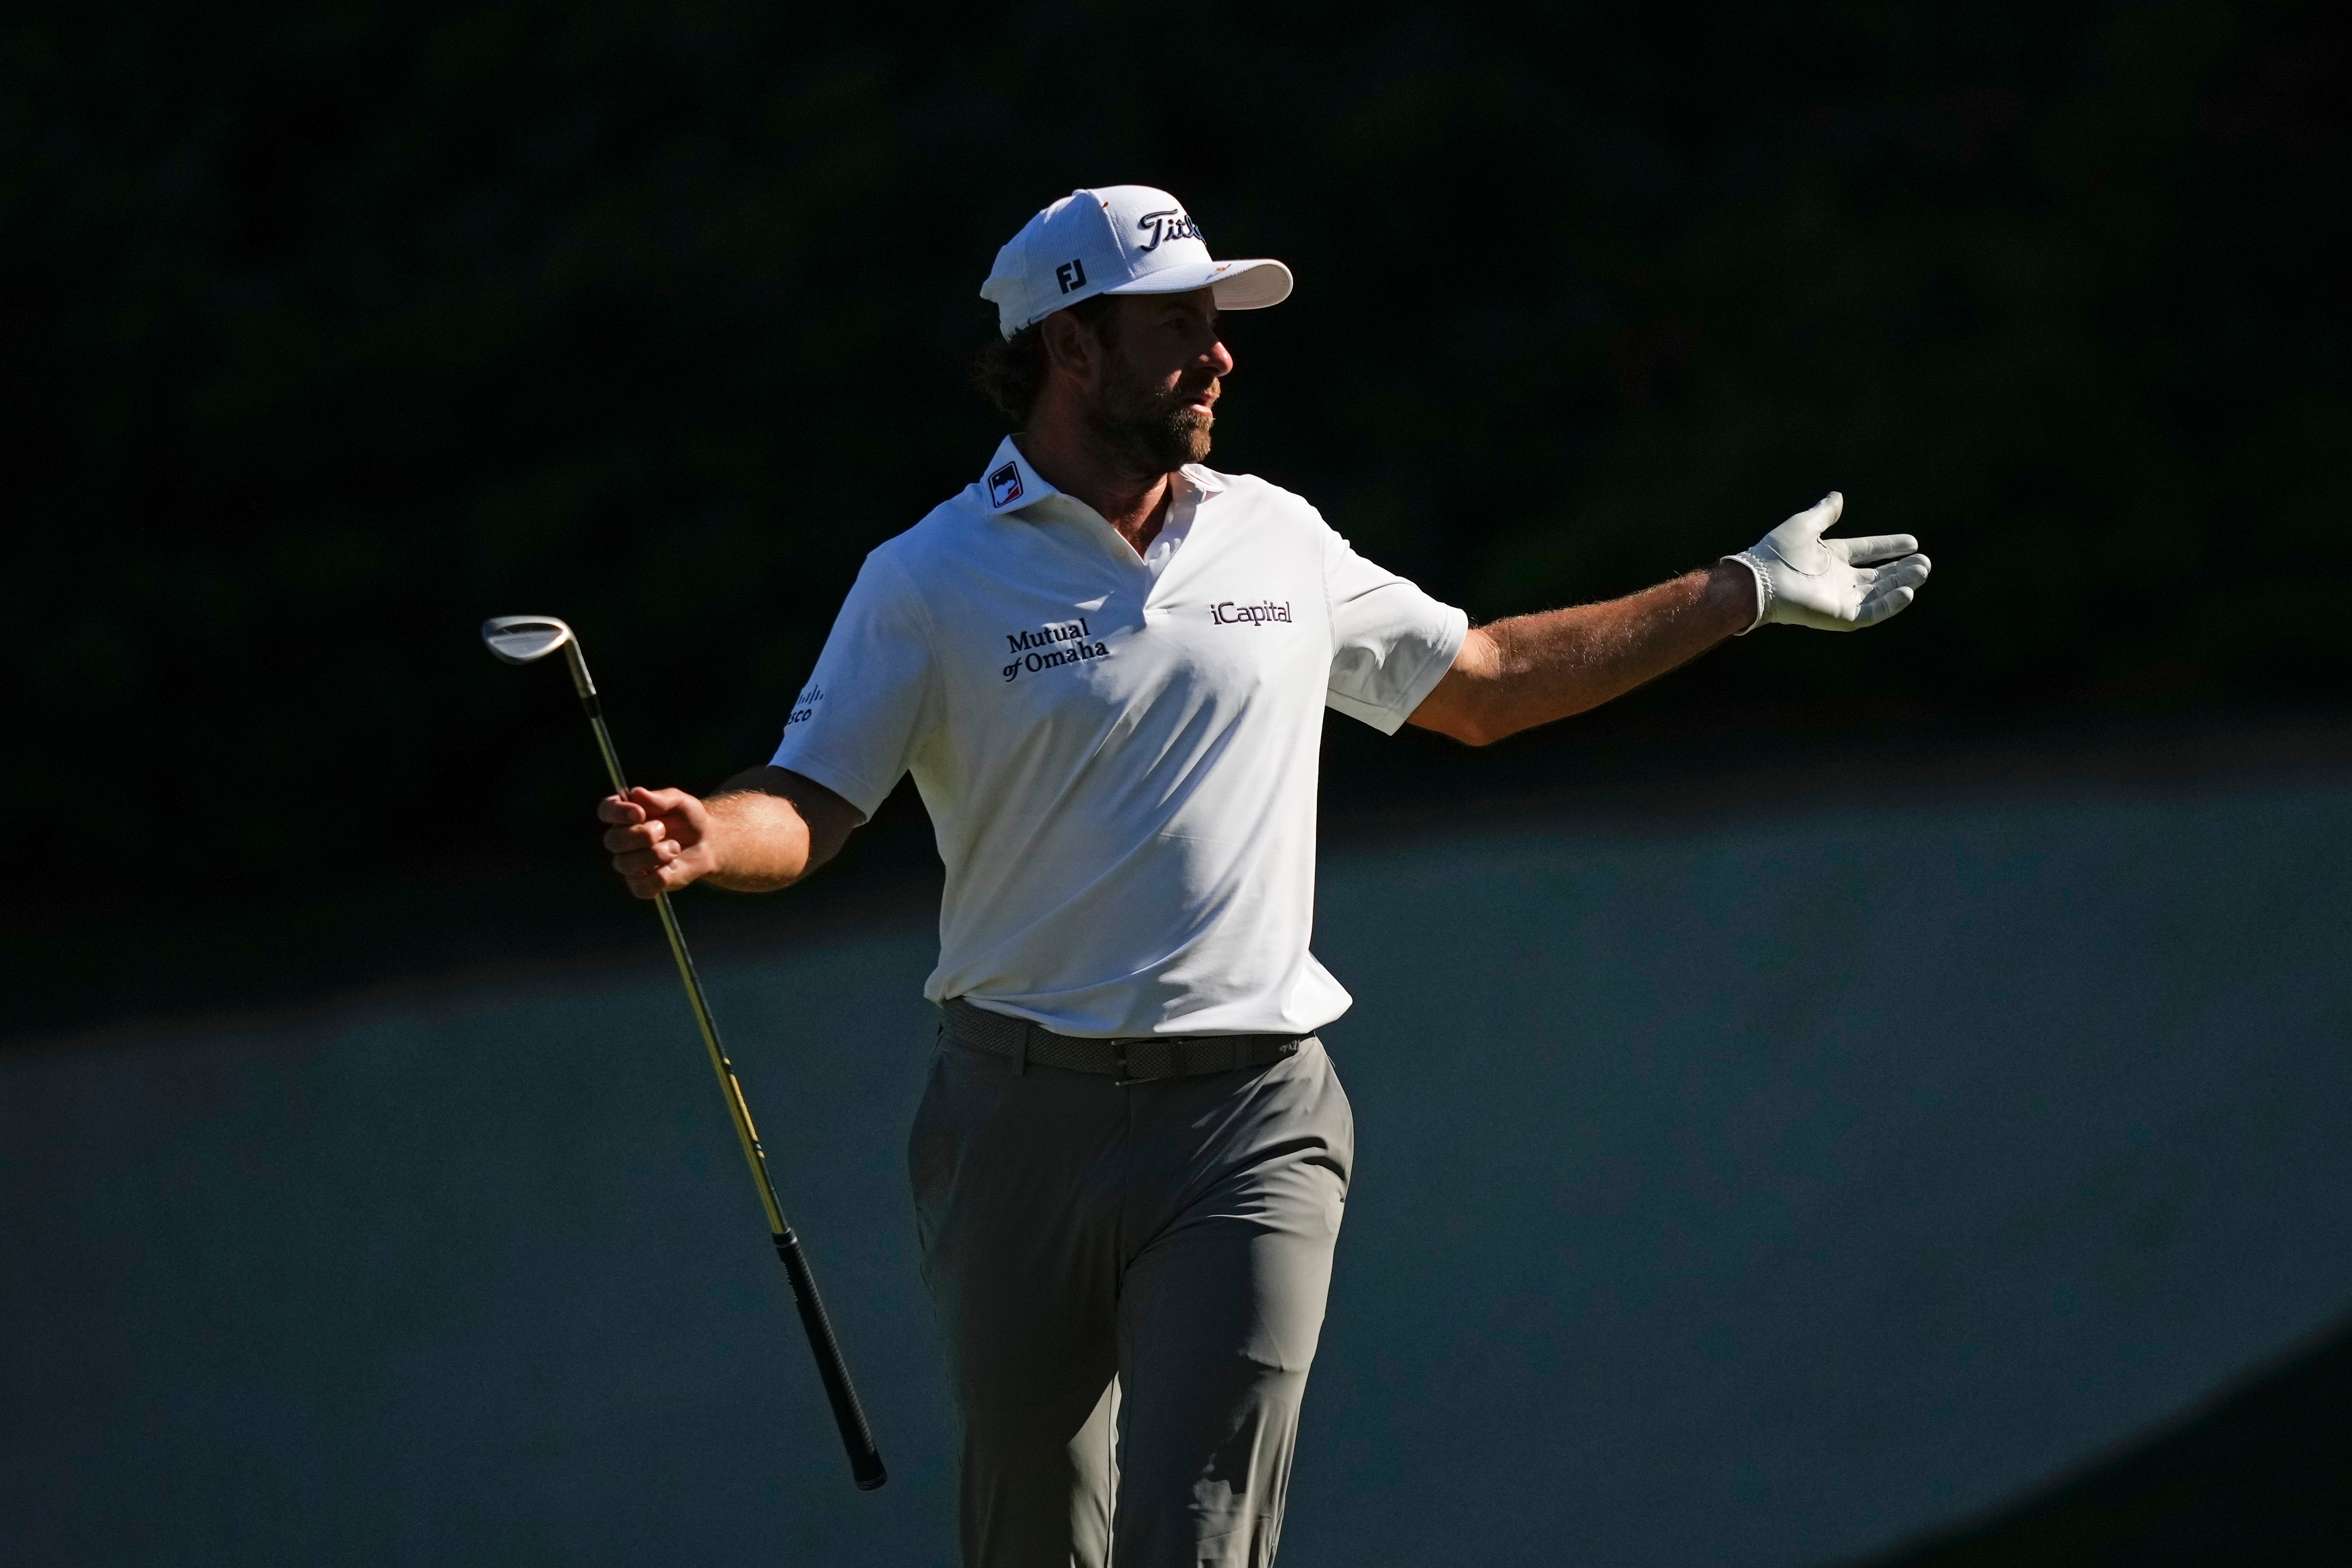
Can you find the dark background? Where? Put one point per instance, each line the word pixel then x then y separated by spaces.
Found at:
pixel 332 329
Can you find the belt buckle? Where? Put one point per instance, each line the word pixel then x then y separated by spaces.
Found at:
pixel 1126 1077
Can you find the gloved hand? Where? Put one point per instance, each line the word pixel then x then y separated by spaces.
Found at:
pixel 1830 584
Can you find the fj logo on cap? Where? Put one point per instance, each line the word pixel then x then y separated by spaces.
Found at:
pixel 1072 274
pixel 1005 486
pixel 1168 222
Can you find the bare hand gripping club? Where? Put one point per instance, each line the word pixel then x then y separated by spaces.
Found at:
pixel 525 639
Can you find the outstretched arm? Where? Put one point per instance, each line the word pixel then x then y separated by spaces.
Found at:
pixel 1532 669
pixel 764 828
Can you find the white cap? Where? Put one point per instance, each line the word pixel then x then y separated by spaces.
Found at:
pixel 1120 240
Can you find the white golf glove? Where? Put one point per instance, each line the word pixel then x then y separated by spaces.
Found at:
pixel 1830 584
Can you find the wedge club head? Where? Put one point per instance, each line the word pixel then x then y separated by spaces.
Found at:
pixel 527 639
pixel 524 639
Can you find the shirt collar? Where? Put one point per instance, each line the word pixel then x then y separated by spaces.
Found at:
pixel 1009 483
pixel 1206 481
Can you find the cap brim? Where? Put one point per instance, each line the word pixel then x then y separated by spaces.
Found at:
pixel 1240 285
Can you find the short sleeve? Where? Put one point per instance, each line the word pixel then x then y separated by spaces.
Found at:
pixel 856 725
pixel 1391 643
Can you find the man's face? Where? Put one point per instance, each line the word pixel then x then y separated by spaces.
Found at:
pixel 1161 374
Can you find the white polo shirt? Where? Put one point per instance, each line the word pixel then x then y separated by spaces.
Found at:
pixel 1118 753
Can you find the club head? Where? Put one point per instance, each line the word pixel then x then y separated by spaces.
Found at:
pixel 524 639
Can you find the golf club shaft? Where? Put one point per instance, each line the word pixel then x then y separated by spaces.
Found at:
pixel 865 1458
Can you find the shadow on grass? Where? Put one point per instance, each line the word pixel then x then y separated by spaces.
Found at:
pixel 2263 1474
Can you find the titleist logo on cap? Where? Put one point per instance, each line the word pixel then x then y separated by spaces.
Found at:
pixel 1170 223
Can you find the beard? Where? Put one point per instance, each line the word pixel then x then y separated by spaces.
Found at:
pixel 1154 429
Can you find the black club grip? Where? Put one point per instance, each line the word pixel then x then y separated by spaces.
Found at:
pixel 865 1459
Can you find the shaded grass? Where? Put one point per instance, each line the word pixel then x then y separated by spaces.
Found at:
pixel 2262 1475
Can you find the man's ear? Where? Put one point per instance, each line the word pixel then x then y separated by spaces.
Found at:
pixel 1072 345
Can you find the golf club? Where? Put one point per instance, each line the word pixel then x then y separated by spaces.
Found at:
pixel 526 639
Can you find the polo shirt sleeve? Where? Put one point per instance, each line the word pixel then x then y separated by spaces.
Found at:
pixel 856 725
pixel 1391 643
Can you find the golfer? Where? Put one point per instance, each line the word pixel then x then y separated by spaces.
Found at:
pixel 1106 664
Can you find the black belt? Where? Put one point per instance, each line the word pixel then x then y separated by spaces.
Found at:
pixel 1134 1059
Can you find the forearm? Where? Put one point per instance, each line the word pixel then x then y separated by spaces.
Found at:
pixel 771 827
pixel 758 842
pixel 1532 669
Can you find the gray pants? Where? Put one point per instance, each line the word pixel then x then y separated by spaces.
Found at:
pixel 1129 1281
